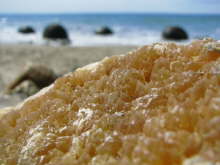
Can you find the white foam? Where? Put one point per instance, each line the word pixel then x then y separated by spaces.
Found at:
pixel 10 35
pixel 85 38
pixel 116 39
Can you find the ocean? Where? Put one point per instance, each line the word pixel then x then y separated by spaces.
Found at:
pixel 129 29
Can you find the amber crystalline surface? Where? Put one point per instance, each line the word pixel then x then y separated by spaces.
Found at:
pixel 159 105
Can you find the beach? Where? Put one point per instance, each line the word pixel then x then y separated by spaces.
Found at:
pixel 128 29
pixel 19 50
pixel 14 58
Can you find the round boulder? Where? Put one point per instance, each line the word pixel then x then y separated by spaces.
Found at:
pixel 104 31
pixel 54 32
pixel 26 89
pixel 175 33
pixel 40 75
pixel 26 30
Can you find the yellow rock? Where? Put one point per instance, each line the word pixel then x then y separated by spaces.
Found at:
pixel 5 111
pixel 159 105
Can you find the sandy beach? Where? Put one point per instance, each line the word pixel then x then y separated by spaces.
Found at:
pixel 14 58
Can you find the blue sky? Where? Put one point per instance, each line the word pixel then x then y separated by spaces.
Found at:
pixel 94 6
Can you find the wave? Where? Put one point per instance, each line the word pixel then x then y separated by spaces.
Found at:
pixel 129 29
pixel 81 38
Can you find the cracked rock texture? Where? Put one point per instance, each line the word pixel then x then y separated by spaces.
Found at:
pixel 158 105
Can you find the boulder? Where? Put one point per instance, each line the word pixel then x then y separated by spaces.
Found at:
pixel 26 30
pixel 175 33
pixel 55 32
pixel 104 31
pixel 26 89
pixel 150 106
pixel 40 75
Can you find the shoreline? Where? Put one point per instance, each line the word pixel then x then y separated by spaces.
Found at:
pixel 14 58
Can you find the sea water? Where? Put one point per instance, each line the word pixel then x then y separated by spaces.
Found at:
pixel 129 29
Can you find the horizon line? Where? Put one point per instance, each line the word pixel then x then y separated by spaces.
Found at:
pixel 68 13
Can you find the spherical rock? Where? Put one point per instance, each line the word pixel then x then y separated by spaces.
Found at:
pixel 26 30
pixel 104 31
pixel 26 89
pixel 158 105
pixel 175 33
pixel 55 32
pixel 40 75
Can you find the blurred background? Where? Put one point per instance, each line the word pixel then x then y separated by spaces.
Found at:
pixel 41 40
pixel 120 22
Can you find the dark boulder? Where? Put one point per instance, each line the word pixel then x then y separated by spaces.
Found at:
pixel 104 31
pixel 26 89
pixel 55 32
pixel 175 33
pixel 40 75
pixel 26 30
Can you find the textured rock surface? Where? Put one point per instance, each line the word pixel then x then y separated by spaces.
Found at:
pixel 159 105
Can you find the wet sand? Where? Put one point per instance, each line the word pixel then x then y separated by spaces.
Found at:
pixel 62 59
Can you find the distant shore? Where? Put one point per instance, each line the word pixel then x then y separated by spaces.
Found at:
pixel 14 58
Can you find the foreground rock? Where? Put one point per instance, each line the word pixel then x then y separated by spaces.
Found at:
pixel 26 30
pixel 175 33
pixel 158 105
pixel 104 31
pixel 55 32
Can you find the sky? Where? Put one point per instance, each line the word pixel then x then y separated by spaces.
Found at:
pixel 110 6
